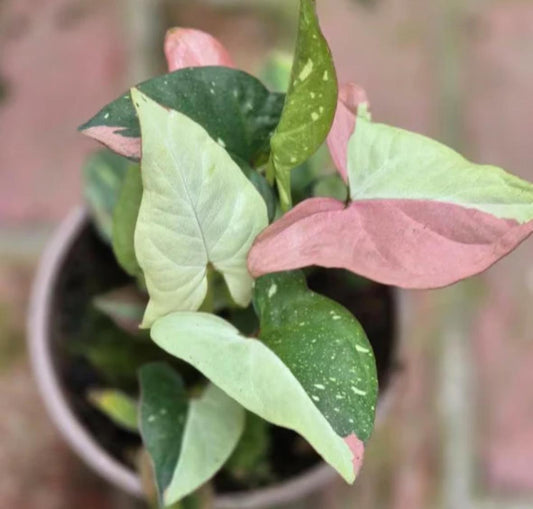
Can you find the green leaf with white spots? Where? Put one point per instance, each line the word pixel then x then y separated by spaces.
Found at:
pixel 125 219
pixel 325 348
pixel 389 163
pixel 118 406
pixel 309 106
pixel 232 106
pixel 103 175
pixel 197 209
pixel 252 374
pixel 188 441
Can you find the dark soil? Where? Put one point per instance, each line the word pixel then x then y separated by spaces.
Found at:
pixel 91 270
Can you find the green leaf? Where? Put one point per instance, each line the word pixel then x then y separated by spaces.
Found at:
pixel 215 423
pixel 118 406
pixel 232 106
pixel 325 348
pixel 309 106
pixel 389 163
pixel 197 209
pixel 252 374
pixel 188 442
pixel 103 174
pixel 125 219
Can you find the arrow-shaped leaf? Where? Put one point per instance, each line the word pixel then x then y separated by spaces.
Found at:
pixel 232 106
pixel 422 216
pixel 187 441
pixel 310 104
pixel 197 209
pixel 407 243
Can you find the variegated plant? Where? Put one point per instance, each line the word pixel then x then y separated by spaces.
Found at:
pixel 206 224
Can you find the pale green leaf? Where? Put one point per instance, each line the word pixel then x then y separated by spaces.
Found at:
pixel 118 406
pixel 389 163
pixel 309 106
pixel 249 372
pixel 215 423
pixel 198 208
pixel 125 219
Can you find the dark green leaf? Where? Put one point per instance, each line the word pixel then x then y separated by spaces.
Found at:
pixel 310 104
pixel 163 414
pixel 324 346
pixel 232 106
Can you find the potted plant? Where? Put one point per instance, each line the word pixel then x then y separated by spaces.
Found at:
pixel 217 265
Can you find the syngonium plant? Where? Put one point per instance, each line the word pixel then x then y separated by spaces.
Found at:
pixel 206 222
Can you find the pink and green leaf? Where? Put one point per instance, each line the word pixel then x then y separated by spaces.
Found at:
pixel 421 215
pixel 385 162
pixel 407 243
pixel 188 47
pixel 351 96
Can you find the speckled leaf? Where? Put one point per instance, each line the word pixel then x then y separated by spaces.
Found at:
pixel 232 106
pixel 103 174
pixel 119 407
pixel 310 104
pixel 324 346
pixel 187 47
pixel 252 374
pixel 389 163
pixel 197 209
pixel 125 219
pixel 215 423
pixel 163 416
pixel 188 441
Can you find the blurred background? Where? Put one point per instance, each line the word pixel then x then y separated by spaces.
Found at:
pixel 459 430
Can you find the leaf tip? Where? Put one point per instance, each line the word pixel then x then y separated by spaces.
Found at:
pixel 357 448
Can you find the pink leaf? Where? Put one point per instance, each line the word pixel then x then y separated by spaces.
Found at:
pixel 358 450
pixel 407 243
pixel 350 97
pixel 111 138
pixel 187 47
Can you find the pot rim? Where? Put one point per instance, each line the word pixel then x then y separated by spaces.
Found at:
pixel 79 438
